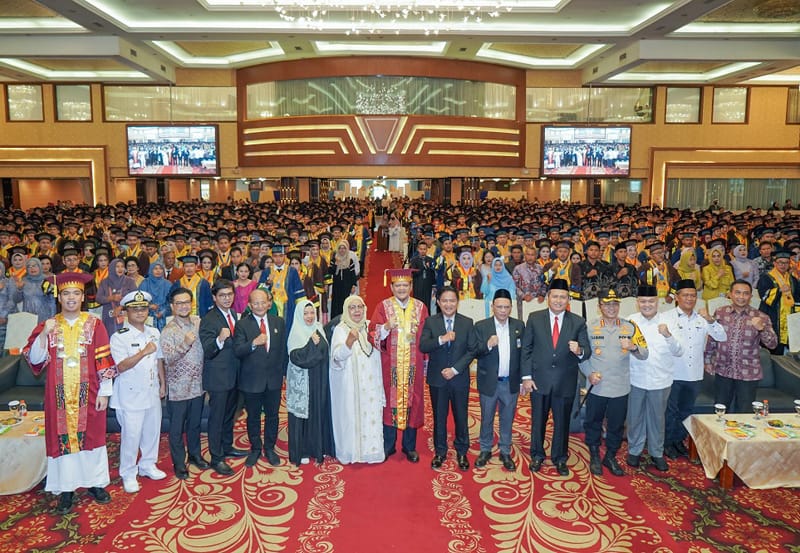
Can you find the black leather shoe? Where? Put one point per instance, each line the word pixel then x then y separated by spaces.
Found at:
pixel 633 460
pixel 671 452
pixel 412 456
pixel 237 453
pixel 64 502
pixel 611 464
pixel 463 462
pixel 222 468
pixel 436 462
pixel 483 458
pixel 391 452
pixel 181 473
pixel 681 448
pixel 536 464
pixel 199 462
pixel 660 464
pixel 595 465
pixel 562 469
pixel 272 457
pixel 252 459
pixel 508 462
pixel 100 495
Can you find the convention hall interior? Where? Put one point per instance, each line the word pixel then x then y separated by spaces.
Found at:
pixel 450 101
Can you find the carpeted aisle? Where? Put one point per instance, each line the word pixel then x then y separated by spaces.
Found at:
pixel 399 506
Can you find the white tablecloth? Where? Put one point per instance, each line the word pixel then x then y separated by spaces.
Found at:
pixel 23 459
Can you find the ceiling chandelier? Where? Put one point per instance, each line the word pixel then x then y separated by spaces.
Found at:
pixel 777 9
pixel 425 16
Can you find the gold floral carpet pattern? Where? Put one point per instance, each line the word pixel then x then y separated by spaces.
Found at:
pixel 404 507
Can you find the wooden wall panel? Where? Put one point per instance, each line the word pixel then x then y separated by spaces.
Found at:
pixel 381 140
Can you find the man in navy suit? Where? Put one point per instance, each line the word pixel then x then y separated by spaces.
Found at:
pixel 496 342
pixel 220 371
pixel 555 342
pixel 445 338
pixel 260 345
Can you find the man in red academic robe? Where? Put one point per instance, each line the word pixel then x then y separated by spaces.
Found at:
pixel 73 347
pixel 396 329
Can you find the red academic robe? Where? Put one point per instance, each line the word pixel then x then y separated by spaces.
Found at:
pixel 410 392
pixel 95 364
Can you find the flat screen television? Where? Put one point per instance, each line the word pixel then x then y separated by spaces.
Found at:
pixel 173 150
pixel 585 152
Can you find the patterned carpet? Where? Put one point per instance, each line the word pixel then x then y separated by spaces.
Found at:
pixel 404 507
pixel 399 506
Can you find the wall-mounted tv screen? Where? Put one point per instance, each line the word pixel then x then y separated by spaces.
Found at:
pixel 188 150
pixel 579 152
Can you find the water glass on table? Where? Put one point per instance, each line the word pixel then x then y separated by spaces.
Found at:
pixel 758 408
pixel 13 408
pixel 719 409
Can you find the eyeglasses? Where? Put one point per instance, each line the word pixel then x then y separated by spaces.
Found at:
pixel 225 294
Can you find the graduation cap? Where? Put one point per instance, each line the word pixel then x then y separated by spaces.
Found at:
pixel 17 250
pixel 190 258
pixel 397 275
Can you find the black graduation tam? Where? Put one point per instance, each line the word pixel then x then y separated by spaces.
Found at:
pixel 189 259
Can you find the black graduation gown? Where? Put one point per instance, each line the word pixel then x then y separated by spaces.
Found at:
pixel 424 278
pixel 312 437
pixel 343 282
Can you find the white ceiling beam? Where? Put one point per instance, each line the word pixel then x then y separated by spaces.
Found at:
pixel 137 56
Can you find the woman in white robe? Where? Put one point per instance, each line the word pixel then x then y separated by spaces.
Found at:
pixel 357 396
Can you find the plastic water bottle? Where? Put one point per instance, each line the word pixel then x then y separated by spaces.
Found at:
pixel 766 407
pixel 23 408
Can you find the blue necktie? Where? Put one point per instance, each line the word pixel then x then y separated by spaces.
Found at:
pixel 449 327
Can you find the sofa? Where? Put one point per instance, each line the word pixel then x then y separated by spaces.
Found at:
pixel 18 382
pixel 780 385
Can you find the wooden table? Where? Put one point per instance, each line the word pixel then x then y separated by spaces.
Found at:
pixel 23 459
pixel 761 461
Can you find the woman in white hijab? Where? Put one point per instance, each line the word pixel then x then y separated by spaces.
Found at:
pixel 308 398
pixel 357 396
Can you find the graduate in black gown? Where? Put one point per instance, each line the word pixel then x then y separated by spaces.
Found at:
pixel 343 272
pixel 424 275
pixel 308 397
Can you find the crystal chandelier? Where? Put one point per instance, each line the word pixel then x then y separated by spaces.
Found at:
pixel 426 16
pixel 777 9
pixel 381 100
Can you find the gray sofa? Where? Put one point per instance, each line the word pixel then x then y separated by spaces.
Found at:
pixel 780 385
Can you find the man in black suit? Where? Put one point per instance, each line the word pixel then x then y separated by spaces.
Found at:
pixel 550 360
pixel 260 345
pixel 445 338
pixel 497 344
pixel 220 371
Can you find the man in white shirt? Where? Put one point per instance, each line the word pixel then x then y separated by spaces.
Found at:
pixel 651 380
pixel 496 343
pixel 691 328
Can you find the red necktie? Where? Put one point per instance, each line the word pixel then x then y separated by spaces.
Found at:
pixel 555 333
pixel 230 323
pixel 263 328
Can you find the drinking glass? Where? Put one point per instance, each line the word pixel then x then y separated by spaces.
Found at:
pixel 13 407
pixel 797 407
pixel 758 407
pixel 719 409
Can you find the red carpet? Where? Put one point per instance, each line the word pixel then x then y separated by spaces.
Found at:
pixel 398 506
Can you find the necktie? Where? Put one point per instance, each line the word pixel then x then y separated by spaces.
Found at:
pixel 263 328
pixel 231 323
pixel 449 327
pixel 555 333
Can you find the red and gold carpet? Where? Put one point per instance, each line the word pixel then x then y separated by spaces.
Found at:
pixel 400 506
